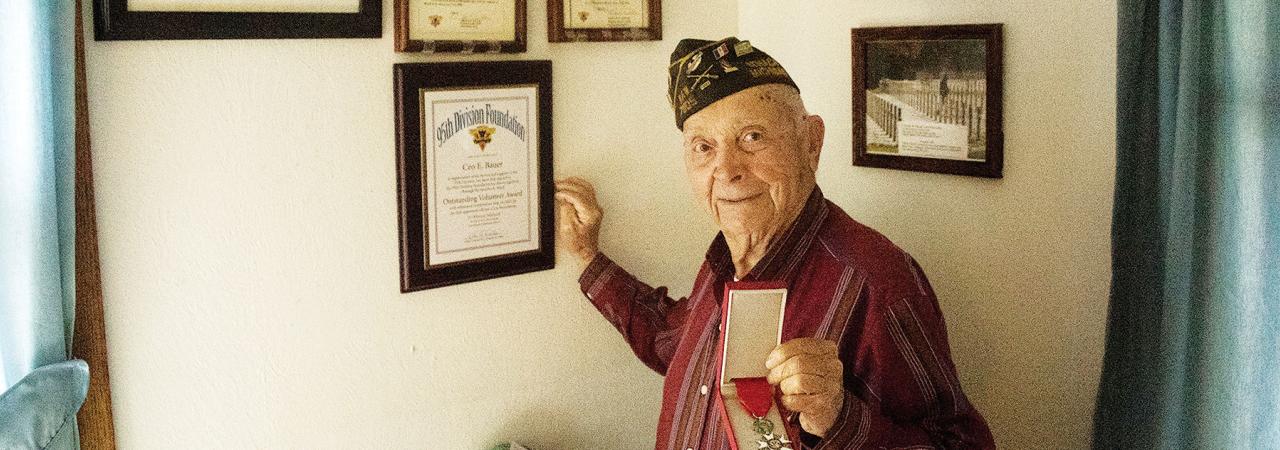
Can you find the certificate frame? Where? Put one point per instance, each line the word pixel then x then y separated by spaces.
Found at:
pixel 557 31
pixel 405 43
pixel 901 91
pixel 114 21
pixel 414 82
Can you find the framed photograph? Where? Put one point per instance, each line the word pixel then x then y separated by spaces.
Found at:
pixel 604 20
pixel 460 26
pixel 123 20
pixel 929 99
pixel 473 146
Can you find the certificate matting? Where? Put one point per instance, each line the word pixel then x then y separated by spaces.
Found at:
pixel 290 6
pixel 462 20
pixel 606 14
pixel 115 20
pixel 604 20
pixel 481 194
pixel 460 26
pixel 475 178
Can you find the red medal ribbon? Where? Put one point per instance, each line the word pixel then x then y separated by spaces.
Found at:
pixel 755 394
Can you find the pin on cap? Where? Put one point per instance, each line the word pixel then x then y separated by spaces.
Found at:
pixel 694 62
pixel 722 50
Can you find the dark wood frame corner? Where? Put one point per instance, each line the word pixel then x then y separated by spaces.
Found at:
pixel 556 31
pixel 113 21
pixel 409 79
pixel 400 21
pixel 993 165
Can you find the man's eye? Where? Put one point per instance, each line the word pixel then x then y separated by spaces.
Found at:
pixel 752 136
pixel 701 147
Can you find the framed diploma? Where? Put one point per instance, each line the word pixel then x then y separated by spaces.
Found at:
pixel 116 20
pixel 604 20
pixel 473 144
pixel 929 99
pixel 460 26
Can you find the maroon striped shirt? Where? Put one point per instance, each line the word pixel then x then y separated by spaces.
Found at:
pixel 846 283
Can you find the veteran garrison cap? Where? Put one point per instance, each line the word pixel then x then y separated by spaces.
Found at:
pixel 702 72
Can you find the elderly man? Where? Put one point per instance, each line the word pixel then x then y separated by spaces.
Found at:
pixel 864 361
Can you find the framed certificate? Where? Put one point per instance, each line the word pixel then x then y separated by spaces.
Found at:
pixel 473 144
pixel 604 20
pixel 928 98
pixel 460 26
pixel 116 20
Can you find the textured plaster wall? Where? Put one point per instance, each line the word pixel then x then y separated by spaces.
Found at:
pixel 247 207
pixel 246 196
pixel 1021 265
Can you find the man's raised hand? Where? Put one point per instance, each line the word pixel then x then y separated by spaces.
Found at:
pixel 578 219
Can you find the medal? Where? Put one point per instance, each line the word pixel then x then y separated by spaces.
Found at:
pixel 756 396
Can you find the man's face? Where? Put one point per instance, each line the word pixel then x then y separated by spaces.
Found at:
pixel 751 160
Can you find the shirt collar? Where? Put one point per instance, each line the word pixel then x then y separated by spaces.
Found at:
pixel 784 253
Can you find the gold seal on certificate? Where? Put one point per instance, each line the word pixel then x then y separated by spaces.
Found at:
pixel 604 20
pixel 476 188
pixel 460 25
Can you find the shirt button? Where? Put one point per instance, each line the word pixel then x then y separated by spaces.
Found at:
pixel 703 389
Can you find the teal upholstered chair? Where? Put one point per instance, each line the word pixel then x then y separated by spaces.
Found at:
pixel 36 412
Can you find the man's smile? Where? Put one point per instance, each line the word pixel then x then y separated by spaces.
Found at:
pixel 739 199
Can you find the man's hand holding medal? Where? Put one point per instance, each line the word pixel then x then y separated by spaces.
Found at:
pixel 809 374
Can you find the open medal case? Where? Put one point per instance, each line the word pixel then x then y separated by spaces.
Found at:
pixel 751 329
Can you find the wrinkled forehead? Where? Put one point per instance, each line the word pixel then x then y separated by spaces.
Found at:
pixel 764 105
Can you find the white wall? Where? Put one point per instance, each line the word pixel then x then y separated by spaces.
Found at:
pixel 1021 265
pixel 247 206
pixel 247 212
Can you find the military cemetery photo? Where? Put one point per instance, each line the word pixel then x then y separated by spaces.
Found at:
pixel 927 98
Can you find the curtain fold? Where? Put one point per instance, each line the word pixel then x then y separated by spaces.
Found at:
pixel 1193 338
pixel 37 186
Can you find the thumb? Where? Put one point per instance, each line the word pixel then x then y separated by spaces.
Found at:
pixel 566 218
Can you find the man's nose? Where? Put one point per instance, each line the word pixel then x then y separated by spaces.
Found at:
pixel 730 164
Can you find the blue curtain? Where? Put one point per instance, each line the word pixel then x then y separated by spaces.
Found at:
pixel 1193 337
pixel 37 215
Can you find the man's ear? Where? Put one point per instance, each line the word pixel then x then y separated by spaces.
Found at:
pixel 817 131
